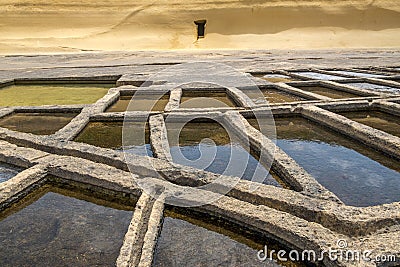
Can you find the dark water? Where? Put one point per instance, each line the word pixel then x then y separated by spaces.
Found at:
pixel 358 175
pixel 318 76
pixel 37 123
pixel 140 103
pixel 376 87
pixel 206 100
pixel 329 92
pixel 60 229
pixel 8 171
pixel 272 96
pixel 207 241
pixel 376 119
pixel 109 135
pixel 208 146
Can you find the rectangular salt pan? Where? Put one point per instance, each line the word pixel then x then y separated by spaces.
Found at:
pixel 62 230
pixel 357 174
pixel 359 74
pixel 318 76
pixel 207 146
pixel 110 135
pixel 376 87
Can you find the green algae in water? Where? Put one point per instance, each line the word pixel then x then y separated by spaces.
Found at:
pixel 62 228
pixel 357 174
pixel 207 146
pixel 52 94
pixel 376 119
pixel 206 100
pixel 109 135
pixel 329 92
pixel 37 123
pixel 188 239
pixel 8 171
pixel 140 103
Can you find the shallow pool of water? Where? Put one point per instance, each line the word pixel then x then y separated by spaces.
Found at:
pixel 109 135
pixel 207 146
pixel 376 119
pixel 358 74
pixel 277 78
pixel 209 241
pixel 272 96
pixel 329 92
pixel 8 171
pixel 52 94
pixel 358 175
pixel 376 87
pixel 140 103
pixel 56 227
pixel 37 123
pixel 318 76
pixel 206 100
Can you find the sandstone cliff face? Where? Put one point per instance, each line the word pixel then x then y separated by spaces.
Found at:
pixel 35 26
